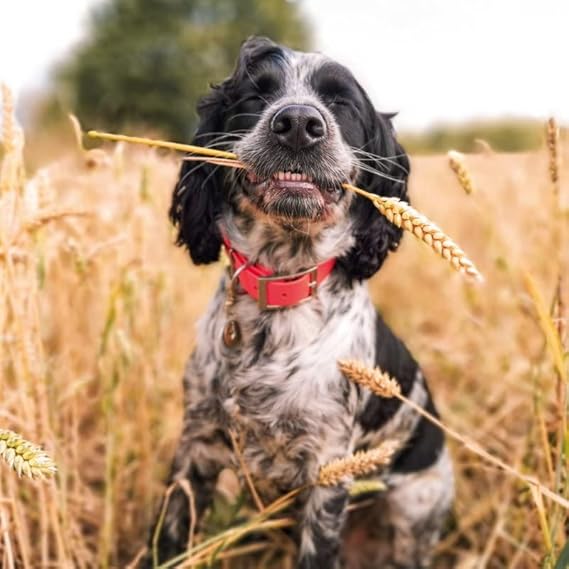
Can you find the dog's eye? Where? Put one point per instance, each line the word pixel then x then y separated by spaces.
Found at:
pixel 267 84
pixel 253 103
pixel 338 103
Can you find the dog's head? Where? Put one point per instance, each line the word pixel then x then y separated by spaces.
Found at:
pixel 302 125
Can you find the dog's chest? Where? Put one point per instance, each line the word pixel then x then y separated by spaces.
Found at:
pixel 281 389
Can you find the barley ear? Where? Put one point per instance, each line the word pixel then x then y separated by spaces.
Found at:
pixel 24 457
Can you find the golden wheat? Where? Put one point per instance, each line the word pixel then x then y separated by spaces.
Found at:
pixel 24 457
pixel 456 161
pixel 358 464
pixel 45 217
pixel 403 215
pixel 380 383
pixel 110 331
pixel 8 125
pixel 552 139
pixel 396 211
pixel 373 378
pixel 366 486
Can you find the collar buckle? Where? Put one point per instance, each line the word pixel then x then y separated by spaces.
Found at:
pixel 312 273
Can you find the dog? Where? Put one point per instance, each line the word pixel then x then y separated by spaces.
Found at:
pixel 295 301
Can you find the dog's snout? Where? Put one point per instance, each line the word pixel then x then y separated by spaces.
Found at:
pixel 298 126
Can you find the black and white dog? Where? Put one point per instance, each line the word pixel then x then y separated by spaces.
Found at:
pixel 265 364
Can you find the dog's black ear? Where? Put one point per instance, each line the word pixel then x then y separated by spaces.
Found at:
pixel 197 196
pixel 374 235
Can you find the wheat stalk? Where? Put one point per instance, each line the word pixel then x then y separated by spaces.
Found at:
pixel 48 216
pixel 402 215
pixel 8 125
pixel 24 457
pixel 163 144
pixel 367 486
pixel 374 379
pixel 552 139
pixel 359 464
pixel 456 161
pixel 396 211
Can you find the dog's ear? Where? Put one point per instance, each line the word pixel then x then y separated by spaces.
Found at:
pixel 198 195
pixel 374 235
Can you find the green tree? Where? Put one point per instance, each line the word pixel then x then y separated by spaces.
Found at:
pixel 146 62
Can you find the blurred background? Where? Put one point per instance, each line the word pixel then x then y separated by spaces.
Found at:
pixel 455 70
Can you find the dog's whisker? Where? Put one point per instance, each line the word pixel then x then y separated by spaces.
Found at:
pixel 388 159
pixel 213 171
pixel 375 172
pixel 238 132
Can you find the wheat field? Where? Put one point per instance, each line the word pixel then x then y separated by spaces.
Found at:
pixel 97 318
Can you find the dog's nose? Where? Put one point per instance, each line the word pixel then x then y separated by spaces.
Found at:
pixel 298 126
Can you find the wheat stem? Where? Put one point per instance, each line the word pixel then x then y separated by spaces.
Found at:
pixel 162 144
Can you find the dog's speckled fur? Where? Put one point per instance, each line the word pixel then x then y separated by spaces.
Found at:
pixel 281 388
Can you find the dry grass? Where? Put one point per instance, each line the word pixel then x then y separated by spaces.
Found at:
pixel 96 322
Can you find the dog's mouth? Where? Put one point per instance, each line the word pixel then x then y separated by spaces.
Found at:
pixel 293 195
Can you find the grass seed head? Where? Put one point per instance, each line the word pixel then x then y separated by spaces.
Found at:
pixel 24 457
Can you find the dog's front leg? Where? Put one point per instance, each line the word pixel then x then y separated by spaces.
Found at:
pixel 202 453
pixel 321 525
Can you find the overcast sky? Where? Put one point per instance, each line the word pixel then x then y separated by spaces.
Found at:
pixel 431 60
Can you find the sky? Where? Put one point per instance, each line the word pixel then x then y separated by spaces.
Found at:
pixel 433 61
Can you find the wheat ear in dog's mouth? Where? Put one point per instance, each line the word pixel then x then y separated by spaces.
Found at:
pixel 398 212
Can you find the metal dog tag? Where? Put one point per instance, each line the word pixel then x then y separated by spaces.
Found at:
pixel 231 330
pixel 231 333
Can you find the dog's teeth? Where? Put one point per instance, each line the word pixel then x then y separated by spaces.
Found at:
pixel 287 176
pixel 280 175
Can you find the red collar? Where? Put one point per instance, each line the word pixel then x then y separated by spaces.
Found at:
pixel 272 291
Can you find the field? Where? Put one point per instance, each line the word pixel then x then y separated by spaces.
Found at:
pixel 97 314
